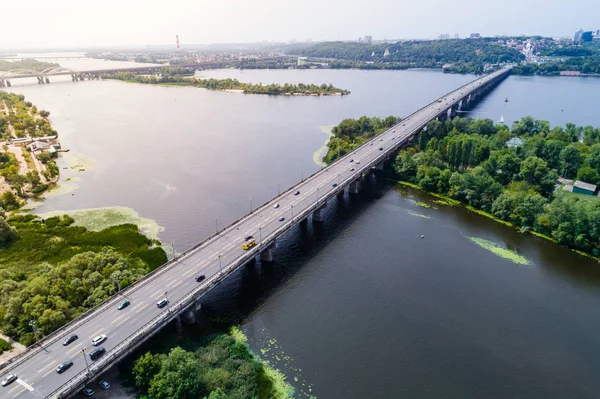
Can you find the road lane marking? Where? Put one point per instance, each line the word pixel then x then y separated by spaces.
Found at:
pixel 157 294
pixel 15 387
pixel 142 308
pixel 122 321
pixel 20 392
pixel 172 282
pixel 181 281
pixel 26 385
pixel 74 355
pixel 97 333
pixel 49 365
pixel 138 305
pixel 50 371
pixel 73 348
pixel 115 320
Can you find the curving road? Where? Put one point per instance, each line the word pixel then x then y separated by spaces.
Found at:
pixel 215 258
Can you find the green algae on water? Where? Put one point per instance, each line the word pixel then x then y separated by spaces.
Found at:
pixel 96 219
pixel 500 251
pixel 419 215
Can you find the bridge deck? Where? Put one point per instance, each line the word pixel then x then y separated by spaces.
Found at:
pixel 216 257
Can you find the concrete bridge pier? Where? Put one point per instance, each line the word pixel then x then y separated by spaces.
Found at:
pixel 40 80
pixel 453 111
pixel 188 316
pixel 2 84
pixel 318 215
pixel 47 80
pixel 267 255
pixel 380 165
pixel 355 187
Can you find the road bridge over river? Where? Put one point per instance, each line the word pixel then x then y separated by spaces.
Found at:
pixel 216 258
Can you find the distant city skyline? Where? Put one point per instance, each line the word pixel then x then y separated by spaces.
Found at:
pixel 70 24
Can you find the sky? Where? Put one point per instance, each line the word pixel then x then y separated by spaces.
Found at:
pixel 68 23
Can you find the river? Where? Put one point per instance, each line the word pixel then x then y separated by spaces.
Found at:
pixel 361 306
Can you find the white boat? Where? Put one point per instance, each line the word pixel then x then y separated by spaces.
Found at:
pixel 501 119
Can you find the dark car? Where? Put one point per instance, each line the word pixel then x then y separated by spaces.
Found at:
pixel 88 392
pixel 380 148
pixel 96 353
pixel 297 192
pixel 352 160
pixel 200 278
pixel 64 367
pixel 352 170
pixel 335 184
pixel 123 304
pixel 248 238
pixel 281 219
pixel 70 339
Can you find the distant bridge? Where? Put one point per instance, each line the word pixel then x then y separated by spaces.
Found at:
pixel 44 76
pixel 216 257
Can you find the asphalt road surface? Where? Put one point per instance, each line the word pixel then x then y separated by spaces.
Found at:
pixel 37 375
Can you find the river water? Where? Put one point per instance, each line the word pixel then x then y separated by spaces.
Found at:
pixel 360 306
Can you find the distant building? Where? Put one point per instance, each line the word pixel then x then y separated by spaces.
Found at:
pixel 577 36
pixel 386 53
pixel 368 39
pixel 587 36
pixel 584 188
pixel 570 73
pixel 302 61
pixel 514 142
pixel 475 36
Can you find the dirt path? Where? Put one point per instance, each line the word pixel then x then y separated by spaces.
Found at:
pixel 18 151
pixel 17 348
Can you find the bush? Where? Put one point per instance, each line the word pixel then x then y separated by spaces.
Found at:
pixel 4 346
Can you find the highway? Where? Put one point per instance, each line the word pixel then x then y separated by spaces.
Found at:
pixel 36 370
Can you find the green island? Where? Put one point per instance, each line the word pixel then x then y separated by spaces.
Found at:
pixel 215 366
pixel 28 148
pixel 169 79
pixel 28 64
pixel 510 174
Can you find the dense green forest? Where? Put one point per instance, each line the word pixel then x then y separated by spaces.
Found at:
pixel 218 366
pixel 230 84
pixel 416 54
pixel 469 160
pixel 52 271
pixel 30 64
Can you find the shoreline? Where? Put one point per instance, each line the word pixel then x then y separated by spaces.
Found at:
pixel 492 217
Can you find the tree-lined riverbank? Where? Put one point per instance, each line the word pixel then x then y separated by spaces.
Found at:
pixel 231 85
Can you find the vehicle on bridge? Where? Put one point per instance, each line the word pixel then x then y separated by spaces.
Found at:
pixel 162 303
pixel 96 353
pixel 10 379
pixel 99 339
pixel 250 242
pixel 64 367
pixel 123 304
pixel 200 278
pixel 72 338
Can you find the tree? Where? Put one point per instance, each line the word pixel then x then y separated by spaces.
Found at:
pixel 588 174
pixel 144 369
pixel 533 170
pixel 7 232
pixel 570 161
pixel 44 113
pixel 217 394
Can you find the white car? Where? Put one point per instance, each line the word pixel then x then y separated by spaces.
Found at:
pixel 276 206
pixel 99 339
pixel 9 379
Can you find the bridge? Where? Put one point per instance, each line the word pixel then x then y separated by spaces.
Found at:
pixel 216 257
pixel 76 75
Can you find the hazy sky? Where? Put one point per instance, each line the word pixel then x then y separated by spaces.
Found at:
pixel 69 23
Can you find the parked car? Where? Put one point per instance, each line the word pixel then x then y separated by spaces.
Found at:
pixel 162 303
pixel 124 304
pixel 71 338
pixel 99 339
pixel 200 278
pixel 9 379
pixel 64 367
pixel 104 384
pixel 88 392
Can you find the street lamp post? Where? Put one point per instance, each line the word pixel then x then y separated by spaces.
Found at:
pixel 166 296
pixel 32 324
pixel 292 212
pixel 87 366
pixel 338 179
pixel 260 233
pixel 220 267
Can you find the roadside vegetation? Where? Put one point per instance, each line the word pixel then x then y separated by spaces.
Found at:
pixel 230 84
pixel 469 161
pixel 217 366
pixel 51 271
pixel 4 346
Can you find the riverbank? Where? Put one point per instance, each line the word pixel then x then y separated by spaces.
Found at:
pixel 287 89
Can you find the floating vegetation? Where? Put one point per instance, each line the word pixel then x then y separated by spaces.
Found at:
pixel 96 219
pixel 500 251
pixel 322 151
pixel 423 204
pixel 272 354
pixel 489 215
pixel 419 215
